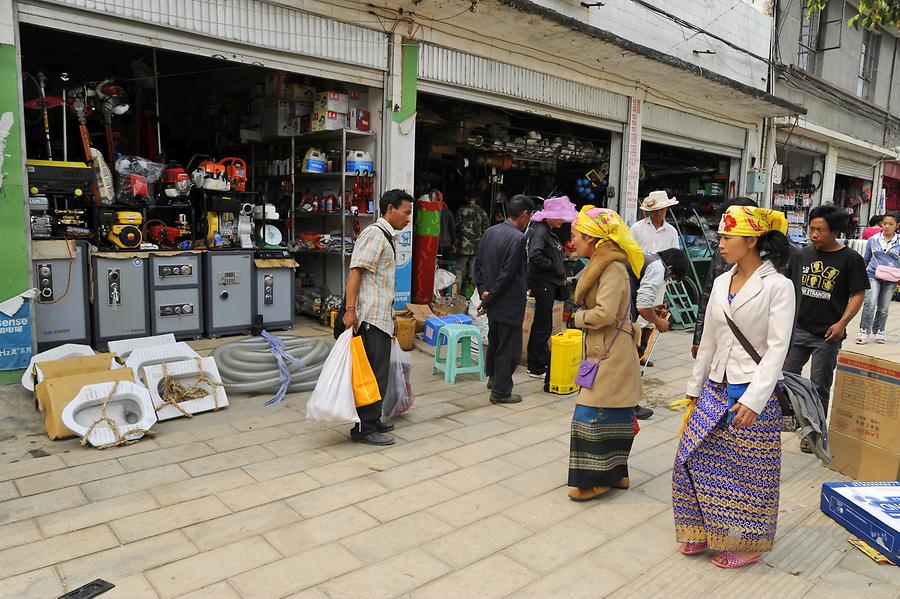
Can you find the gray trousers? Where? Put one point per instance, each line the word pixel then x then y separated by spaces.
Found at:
pixel 824 359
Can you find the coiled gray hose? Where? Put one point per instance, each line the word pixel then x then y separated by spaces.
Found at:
pixel 248 366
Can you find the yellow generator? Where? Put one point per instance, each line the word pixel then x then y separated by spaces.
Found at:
pixel 126 231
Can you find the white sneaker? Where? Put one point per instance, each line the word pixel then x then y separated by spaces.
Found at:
pixel 879 337
pixel 862 338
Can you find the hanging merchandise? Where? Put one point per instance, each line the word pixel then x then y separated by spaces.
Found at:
pixel 315 161
pixel 427 228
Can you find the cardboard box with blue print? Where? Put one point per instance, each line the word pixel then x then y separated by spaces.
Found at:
pixel 870 510
pixel 864 429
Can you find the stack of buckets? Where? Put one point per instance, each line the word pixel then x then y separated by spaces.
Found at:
pixel 565 356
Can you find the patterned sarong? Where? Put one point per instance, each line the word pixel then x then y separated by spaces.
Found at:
pixel 600 443
pixel 725 483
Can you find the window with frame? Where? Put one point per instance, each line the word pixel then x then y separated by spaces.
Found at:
pixel 808 51
pixel 868 65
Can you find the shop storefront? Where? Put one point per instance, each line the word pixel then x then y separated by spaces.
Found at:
pixel 235 152
pixel 853 185
pixel 797 186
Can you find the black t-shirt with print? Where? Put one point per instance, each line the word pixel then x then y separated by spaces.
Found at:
pixel 828 281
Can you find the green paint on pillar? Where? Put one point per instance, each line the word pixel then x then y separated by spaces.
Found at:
pixel 13 230
pixel 409 74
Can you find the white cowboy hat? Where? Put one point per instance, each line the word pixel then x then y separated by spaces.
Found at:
pixel 657 200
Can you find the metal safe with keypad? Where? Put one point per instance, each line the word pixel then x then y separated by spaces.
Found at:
pixel 228 283
pixel 176 294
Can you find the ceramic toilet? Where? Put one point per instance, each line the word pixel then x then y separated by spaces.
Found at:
pixel 67 350
pixel 129 407
pixel 185 372
pixel 141 358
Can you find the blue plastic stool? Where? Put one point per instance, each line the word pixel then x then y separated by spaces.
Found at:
pixel 458 339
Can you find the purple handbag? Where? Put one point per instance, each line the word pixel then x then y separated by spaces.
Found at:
pixel 587 370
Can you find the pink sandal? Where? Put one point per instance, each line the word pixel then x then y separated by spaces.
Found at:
pixel 733 561
pixel 692 548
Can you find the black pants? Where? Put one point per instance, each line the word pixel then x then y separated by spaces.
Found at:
pixel 503 353
pixel 538 341
pixel 824 360
pixel 378 350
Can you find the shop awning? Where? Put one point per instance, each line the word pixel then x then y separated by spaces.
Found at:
pixel 892 170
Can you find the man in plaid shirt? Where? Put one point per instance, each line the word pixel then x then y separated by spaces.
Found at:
pixel 369 305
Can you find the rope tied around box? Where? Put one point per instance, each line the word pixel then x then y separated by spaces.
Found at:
pixel 121 440
pixel 173 392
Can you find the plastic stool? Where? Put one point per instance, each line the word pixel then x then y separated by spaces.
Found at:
pixel 458 338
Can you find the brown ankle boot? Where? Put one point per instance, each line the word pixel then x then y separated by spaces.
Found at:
pixel 623 483
pixel 580 494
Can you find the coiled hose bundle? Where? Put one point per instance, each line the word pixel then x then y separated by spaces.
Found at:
pixel 253 366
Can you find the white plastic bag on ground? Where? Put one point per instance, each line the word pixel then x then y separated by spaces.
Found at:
pixel 399 395
pixel 479 321
pixel 332 399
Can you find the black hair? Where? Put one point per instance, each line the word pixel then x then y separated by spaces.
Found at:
pixel 835 217
pixel 393 197
pixel 740 201
pixel 775 247
pixel 677 261
pixel 876 220
pixel 894 215
pixel 518 205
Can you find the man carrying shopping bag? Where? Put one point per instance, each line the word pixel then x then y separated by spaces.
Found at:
pixel 369 305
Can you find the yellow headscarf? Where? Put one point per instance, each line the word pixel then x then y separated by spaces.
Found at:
pixel 604 225
pixel 748 221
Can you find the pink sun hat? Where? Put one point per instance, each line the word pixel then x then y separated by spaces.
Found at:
pixel 557 208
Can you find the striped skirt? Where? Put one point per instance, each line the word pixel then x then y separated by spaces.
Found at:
pixel 725 482
pixel 600 444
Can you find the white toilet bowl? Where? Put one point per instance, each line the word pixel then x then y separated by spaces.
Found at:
pixel 185 372
pixel 140 359
pixel 129 407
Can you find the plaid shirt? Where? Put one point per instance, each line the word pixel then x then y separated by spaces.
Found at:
pixel 375 256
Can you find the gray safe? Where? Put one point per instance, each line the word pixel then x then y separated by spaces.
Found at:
pixel 228 286
pixel 176 295
pixel 61 308
pixel 274 297
pixel 120 302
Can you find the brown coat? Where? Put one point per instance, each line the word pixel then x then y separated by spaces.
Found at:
pixel 604 292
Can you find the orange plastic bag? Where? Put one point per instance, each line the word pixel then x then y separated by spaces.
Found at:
pixel 365 387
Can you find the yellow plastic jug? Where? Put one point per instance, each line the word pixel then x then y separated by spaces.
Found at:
pixel 565 356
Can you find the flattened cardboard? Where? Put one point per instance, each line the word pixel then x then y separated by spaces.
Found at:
pixel 53 395
pixel 869 510
pixel 866 403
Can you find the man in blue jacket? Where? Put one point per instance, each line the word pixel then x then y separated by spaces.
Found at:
pixel 500 276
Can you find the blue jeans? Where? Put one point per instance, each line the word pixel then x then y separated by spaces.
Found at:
pixel 876 305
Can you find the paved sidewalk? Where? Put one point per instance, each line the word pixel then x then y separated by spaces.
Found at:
pixel 255 502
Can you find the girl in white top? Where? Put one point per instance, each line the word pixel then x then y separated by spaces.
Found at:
pixel 727 468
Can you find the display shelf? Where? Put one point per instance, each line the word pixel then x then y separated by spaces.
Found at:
pixel 321 253
pixel 304 214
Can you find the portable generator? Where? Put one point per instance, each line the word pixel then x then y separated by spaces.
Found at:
pixel 125 229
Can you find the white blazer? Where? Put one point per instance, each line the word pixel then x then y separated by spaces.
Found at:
pixel 763 310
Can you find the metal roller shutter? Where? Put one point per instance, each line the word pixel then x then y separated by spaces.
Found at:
pixel 671 127
pixel 248 31
pixel 852 168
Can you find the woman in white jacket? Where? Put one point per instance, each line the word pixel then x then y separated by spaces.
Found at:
pixel 726 477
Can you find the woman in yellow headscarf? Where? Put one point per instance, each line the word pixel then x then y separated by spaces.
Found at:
pixel 725 482
pixel 603 425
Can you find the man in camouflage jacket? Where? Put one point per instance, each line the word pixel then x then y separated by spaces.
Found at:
pixel 471 223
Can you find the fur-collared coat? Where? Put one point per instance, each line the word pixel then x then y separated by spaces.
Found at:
pixel 604 294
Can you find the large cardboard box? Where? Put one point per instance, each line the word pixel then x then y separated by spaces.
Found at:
pixel 421 313
pixel 870 511
pixel 327 121
pixel 284 119
pixel 332 102
pixel 864 429
pixel 558 325
pixel 53 369
pixel 54 394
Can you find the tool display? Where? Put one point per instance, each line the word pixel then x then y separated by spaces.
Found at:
pixel 176 295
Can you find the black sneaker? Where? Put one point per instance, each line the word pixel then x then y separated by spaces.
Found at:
pixel 384 427
pixel 536 375
pixel 642 413
pixel 505 398
pixel 374 438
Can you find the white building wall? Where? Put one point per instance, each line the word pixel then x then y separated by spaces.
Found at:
pixel 745 23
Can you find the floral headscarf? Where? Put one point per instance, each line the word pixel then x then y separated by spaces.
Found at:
pixel 607 225
pixel 749 221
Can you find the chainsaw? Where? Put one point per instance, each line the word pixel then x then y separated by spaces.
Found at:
pixel 235 172
pixel 209 174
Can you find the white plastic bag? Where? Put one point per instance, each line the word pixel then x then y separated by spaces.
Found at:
pixel 479 321
pixel 399 395
pixel 443 279
pixel 332 399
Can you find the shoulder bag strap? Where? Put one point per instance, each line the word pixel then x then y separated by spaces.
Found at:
pixel 745 343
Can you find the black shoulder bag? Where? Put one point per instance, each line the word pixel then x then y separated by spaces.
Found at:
pixel 339 327
pixel 786 408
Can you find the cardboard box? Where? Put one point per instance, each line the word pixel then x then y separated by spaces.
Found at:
pixel 870 511
pixel 299 92
pixel 860 460
pixel 284 118
pixel 558 325
pixel 327 121
pixel 867 399
pixel 460 305
pixel 421 313
pixel 332 102
pixel 357 101
pixel 276 85
pixel 53 369
pixel 53 395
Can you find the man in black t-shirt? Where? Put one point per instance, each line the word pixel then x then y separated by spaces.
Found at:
pixel 833 285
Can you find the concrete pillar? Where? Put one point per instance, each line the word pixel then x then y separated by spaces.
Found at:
pixel 615 172
pixel 631 162
pixel 15 244
pixel 828 174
